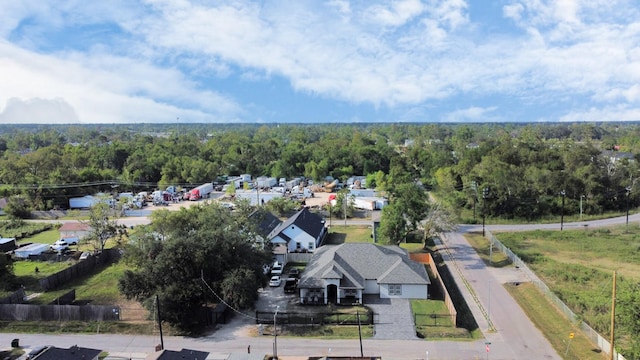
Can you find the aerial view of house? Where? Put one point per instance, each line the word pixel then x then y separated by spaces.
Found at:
pixel 345 273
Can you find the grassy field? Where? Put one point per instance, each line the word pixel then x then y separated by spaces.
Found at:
pixel 45 237
pixel 578 264
pixel 482 246
pixel 555 326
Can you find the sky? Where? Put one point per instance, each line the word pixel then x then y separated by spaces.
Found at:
pixel 306 61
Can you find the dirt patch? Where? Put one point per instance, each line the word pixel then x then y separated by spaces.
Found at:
pixel 131 310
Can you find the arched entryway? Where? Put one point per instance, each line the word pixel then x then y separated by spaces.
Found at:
pixel 332 294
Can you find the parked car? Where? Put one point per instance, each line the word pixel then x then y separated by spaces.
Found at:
pixel 275 281
pixel 290 285
pixel 276 269
pixel 294 273
pixel 63 244
pixel 85 255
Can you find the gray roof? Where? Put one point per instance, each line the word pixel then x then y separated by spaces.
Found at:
pixel 309 222
pixel 266 221
pixel 354 263
pixel 72 353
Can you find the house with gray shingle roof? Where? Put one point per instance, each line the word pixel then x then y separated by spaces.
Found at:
pixel 266 225
pixel 345 273
pixel 303 232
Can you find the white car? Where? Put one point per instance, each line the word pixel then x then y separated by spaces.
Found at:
pixel 275 281
pixel 63 244
pixel 276 269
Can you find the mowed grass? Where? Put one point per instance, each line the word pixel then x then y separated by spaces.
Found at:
pixel 45 237
pixel 99 287
pixel 555 326
pixel 341 234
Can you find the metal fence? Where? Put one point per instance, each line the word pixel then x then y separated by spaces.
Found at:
pixel 598 339
pixel 366 317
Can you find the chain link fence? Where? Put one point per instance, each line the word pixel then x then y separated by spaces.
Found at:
pixel 598 339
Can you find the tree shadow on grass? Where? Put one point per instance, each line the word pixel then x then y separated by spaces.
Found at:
pixel 335 238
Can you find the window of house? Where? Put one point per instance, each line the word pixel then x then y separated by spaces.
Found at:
pixel 310 247
pixel 395 289
pixel 298 245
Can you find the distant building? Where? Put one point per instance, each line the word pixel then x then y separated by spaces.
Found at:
pixel 74 229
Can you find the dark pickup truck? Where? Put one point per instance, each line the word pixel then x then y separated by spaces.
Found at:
pixel 290 285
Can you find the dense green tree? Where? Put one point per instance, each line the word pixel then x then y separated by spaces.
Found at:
pixel 103 223
pixel 393 226
pixel 205 256
pixel 7 277
pixel 18 208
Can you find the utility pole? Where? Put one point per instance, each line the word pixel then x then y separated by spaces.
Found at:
pixel 159 322
pixel 613 317
pixel 563 193
pixel 474 186
pixel 581 196
pixel 275 334
pixel 628 193
pixel 485 195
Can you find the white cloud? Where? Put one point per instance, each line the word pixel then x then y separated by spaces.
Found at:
pixel 608 113
pixel 171 55
pixel 35 110
pixel 472 114
pixel 394 13
pixel 103 88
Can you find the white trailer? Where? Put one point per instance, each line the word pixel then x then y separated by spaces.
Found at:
pixel 369 203
pixel 201 192
pixel 84 202
pixel 264 182
pixel 33 249
pixel 257 197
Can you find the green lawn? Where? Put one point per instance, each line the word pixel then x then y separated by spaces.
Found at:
pixel 98 288
pixel 45 237
pixel 341 234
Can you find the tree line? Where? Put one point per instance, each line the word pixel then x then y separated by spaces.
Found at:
pixel 525 171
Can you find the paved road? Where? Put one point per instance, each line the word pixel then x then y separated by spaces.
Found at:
pixel 515 338
pixel 492 306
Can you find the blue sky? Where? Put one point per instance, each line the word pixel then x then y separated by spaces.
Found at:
pixel 128 61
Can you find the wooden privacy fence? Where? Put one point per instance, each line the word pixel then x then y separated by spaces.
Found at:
pixel 17 297
pixel 79 269
pixel 26 312
pixel 425 258
pixel 62 277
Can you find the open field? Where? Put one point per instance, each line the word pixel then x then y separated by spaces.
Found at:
pixel 553 324
pixel 578 264
pixel 605 249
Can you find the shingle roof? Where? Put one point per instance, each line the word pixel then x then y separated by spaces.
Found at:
pixel 354 263
pixel 267 222
pixel 184 354
pixel 309 222
pixel 72 353
pixel 74 226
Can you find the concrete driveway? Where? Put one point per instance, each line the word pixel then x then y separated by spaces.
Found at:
pixel 394 319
